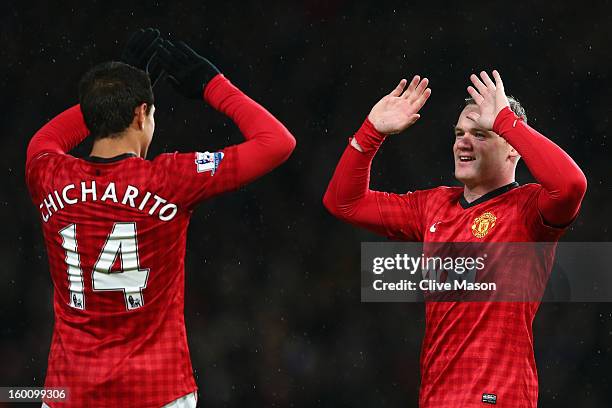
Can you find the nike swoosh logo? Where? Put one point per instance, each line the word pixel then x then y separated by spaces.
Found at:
pixel 433 227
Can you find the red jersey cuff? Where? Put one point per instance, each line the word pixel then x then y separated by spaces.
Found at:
pixel 368 137
pixel 216 89
pixel 505 121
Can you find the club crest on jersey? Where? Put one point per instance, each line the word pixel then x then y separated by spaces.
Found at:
pixel 483 224
pixel 208 161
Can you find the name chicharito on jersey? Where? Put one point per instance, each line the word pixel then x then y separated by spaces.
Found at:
pixel 84 191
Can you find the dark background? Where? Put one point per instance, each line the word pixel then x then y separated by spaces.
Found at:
pixel 273 309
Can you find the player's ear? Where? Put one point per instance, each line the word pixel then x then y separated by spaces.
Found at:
pixel 512 153
pixel 140 115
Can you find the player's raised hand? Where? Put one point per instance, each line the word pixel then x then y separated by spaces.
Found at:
pixel 140 52
pixel 398 110
pixel 490 98
pixel 188 71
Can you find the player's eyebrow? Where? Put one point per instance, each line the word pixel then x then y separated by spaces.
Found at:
pixel 472 129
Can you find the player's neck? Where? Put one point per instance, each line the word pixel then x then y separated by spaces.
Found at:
pixel 113 146
pixel 472 193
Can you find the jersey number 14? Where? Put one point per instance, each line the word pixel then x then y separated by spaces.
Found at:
pixel 131 280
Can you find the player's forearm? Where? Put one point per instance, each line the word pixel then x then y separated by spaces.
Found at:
pixel 268 144
pixel 348 196
pixel 563 182
pixel 253 120
pixel 60 135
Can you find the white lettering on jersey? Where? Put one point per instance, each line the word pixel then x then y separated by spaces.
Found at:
pixel 91 190
pixel 54 201
pixel 65 195
pixel 110 193
pixel 131 192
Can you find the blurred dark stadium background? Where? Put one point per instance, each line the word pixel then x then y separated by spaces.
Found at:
pixel 273 306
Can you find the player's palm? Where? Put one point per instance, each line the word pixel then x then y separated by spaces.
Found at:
pixel 398 110
pixel 489 96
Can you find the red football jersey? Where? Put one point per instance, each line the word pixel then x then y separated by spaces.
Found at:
pixel 115 235
pixel 475 353
pixel 115 232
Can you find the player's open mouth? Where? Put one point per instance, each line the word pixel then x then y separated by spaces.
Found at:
pixel 466 158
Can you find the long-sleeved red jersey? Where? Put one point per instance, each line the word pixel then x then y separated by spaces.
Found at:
pixel 473 353
pixel 115 232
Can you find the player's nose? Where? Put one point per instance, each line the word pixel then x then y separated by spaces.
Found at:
pixel 464 143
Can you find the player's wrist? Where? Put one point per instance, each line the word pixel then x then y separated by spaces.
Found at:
pixel 356 145
pixel 219 93
pixel 212 87
pixel 379 125
pixel 368 138
pixel 504 120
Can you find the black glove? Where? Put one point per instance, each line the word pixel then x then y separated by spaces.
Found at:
pixel 187 71
pixel 140 52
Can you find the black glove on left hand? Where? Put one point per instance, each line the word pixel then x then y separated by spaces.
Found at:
pixel 188 72
pixel 140 51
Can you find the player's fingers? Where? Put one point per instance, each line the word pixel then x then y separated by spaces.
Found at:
pixel 180 55
pixel 155 31
pixel 172 81
pixel 155 74
pixel 167 59
pixel 475 95
pixel 418 104
pixel 163 53
pixel 473 116
pixel 399 88
pixel 498 81
pixel 487 80
pixel 412 86
pixel 422 86
pixel 177 54
pixel 414 118
pixel 148 52
pixel 145 37
pixel 150 34
pixel 187 50
pixel 154 65
pixel 478 84
pixel 419 90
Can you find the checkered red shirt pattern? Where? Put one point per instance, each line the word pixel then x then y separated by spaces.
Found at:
pixel 474 353
pixel 106 354
pixel 120 348
pixel 475 348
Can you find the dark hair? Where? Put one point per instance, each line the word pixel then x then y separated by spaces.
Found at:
pixel 109 93
pixel 515 106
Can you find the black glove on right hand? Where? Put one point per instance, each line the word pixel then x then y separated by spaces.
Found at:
pixel 140 52
pixel 188 72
